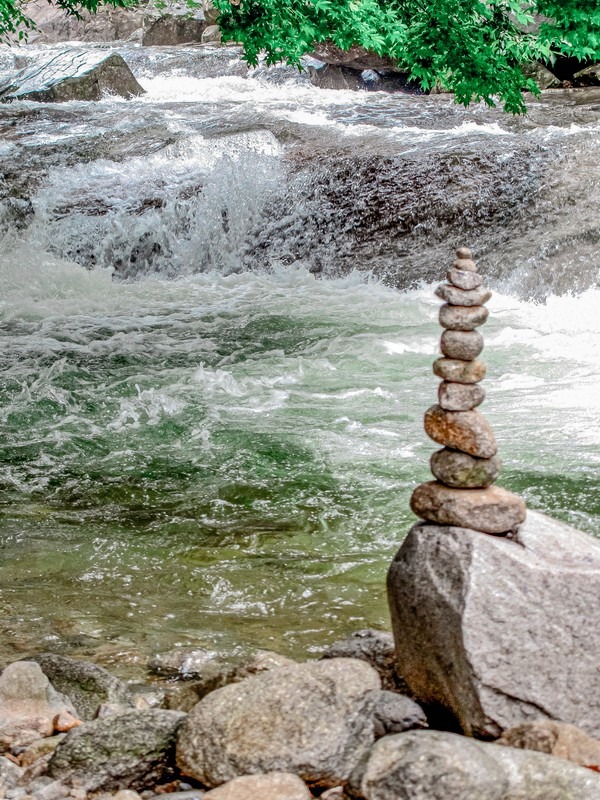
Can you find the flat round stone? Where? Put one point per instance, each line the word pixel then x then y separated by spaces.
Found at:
pixel 464 252
pixel 458 371
pixel 465 264
pixel 465 345
pixel 468 431
pixel 464 280
pixel 460 396
pixel 460 297
pixel 492 510
pixel 462 471
pixel 459 318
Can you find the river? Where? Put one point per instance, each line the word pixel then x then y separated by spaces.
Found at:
pixel 217 326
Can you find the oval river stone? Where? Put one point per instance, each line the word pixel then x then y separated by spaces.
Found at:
pixel 492 510
pixel 457 371
pixel 460 297
pixel 468 431
pixel 460 396
pixel 460 318
pixel 464 345
pixel 465 264
pixel 464 280
pixel 462 471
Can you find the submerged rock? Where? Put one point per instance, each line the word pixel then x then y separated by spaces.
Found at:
pixel 496 632
pixel 73 75
pixel 431 765
pixel 314 720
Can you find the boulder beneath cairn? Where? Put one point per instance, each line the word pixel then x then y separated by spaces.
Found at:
pixel 495 632
pixel 313 720
pixel 432 765
pixel 29 704
pixel 73 75
pixel 129 751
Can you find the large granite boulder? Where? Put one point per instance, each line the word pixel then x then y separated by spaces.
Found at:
pixel 130 751
pixel 106 25
pixel 173 29
pixel 87 685
pixel 72 75
pixel 497 632
pixel 590 76
pixel 313 720
pixel 431 765
pixel 29 704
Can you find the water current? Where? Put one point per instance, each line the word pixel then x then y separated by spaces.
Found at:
pixel 217 324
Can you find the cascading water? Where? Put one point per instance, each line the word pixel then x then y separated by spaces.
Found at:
pixel 217 328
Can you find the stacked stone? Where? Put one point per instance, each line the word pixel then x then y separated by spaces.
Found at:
pixel 463 494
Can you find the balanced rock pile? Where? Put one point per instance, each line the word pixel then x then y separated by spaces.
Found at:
pixel 463 494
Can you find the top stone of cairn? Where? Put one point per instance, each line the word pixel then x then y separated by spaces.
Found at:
pixel 465 469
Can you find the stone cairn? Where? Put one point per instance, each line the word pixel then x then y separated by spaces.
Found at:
pixel 463 494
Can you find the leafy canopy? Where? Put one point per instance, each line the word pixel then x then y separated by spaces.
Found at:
pixel 474 48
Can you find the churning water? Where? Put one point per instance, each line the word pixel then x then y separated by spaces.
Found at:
pixel 218 323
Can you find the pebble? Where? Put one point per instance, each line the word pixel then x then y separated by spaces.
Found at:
pixel 460 396
pixel 468 431
pixel 463 279
pixel 460 297
pixel 461 318
pixel 455 370
pixel 493 510
pixel 64 722
pixel 464 345
pixel 462 471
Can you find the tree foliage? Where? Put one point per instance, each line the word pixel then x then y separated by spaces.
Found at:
pixel 474 48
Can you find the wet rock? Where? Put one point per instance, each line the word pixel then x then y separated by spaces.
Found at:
pixel 463 345
pixel 171 30
pixel 395 713
pixel 28 705
pixel 460 297
pixel 460 318
pixel 463 471
pixel 329 76
pixel 314 720
pixel 460 396
pixel 181 662
pixel 556 739
pixel 431 765
pixel 498 632
pixel 261 661
pixel 590 76
pixel 39 749
pixel 541 75
pixel 73 75
pixel 492 510
pixel 461 430
pixel 132 751
pixel 458 371
pixel 463 279
pixel 211 35
pixel 272 786
pixel 374 647
pixel 87 685
pixel 355 57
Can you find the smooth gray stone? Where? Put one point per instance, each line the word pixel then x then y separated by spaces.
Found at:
pixel 461 318
pixel 460 396
pixel 433 765
pixel 499 632
pixel 463 471
pixel 396 713
pixel 374 647
pixel 463 279
pixel 464 345
pixel 460 297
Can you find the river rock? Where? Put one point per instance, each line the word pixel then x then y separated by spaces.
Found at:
pixel 499 632
pixel 492 510
pixel 87 685
pixel 460 297
pixel 463 345
pixel 432 765
pixel 181 662
pixel 463 279
pixel 461 318
pixel 462 471
pixel 131 751
pixel 377 649
pixel 174 29
pixel 211 14
pixel 395 713
pixel 557 739
pixel 456 370
pixel 541 75
pixel 465 264
pixel 272 786
pixel 211 35
pixel 468 431
pixel 463 253
pixel 28 705
pixel 590 76
pixel 73 75
pixel 460 396
pixel 10 774
pixel 314 720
